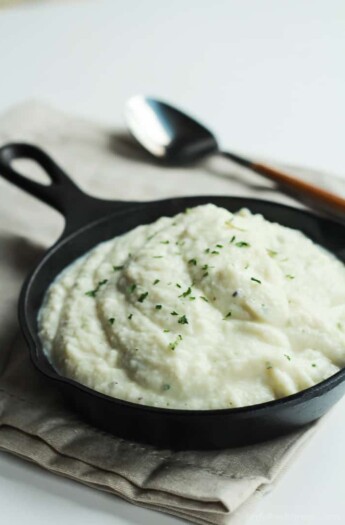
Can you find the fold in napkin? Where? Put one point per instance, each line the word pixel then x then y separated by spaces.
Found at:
pixel 35 424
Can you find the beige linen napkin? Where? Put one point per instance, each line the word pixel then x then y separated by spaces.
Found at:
pixel 203 487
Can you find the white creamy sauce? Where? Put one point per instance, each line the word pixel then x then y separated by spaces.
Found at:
pixel 204 310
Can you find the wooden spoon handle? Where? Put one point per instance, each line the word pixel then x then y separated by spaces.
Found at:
pixel 319 195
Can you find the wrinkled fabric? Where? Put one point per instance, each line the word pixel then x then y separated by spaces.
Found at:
pixel 35 423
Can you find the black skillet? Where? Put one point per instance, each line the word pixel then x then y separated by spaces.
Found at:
pixel 90 221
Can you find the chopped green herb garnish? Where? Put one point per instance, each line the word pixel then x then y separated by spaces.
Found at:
pixel 255 280
pixel 289 276
pixel 183 320
pixel 142 297
pixel 178 285
pixel 130 316
pixel 151 236
pixel 287 357
pixel 207 250
pixel 205 275
pixel 173 313
pixel 187 292
pixel 165 242
pixel 166 387
pixel 214 252
pixel 235 294
pixel 111 320
pixel 166 331
pixel 156 281
pixel 118 268
pixel 158 257
pixel 193 262
pixel 229 314
pixel 158 306
pixel 313 364
pixel 174 344
pixel 92 293
pixel 232 239
pixel 242 244
pixel 272 253
pixel 192 298
pixel 219 246
pixel 132 288
pixel 268 366
pixel 205 267
pixel 204 298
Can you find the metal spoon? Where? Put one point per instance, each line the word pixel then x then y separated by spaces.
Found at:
pixel 175 138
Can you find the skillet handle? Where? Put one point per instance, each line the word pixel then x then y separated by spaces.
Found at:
pixel 62 194
pixel 56 194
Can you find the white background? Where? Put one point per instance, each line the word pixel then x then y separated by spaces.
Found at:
pixel 269 78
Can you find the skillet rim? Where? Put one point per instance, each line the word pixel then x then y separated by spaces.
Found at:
pixel 125 207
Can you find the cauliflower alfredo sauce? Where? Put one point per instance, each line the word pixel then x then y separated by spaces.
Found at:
pixel 204 310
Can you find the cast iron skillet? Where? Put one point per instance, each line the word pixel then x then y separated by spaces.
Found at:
pixel 90 221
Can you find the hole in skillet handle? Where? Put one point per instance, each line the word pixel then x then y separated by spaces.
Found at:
pixel 62 193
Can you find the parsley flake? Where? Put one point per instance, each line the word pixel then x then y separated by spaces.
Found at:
pixel 142 297
pixel 255 280
pixel 130 316
pixel 232 239
pixel 242 244
pixel 118 268
pixel 204 298
pixel 111 320
pixel 158 307
pixel 193 262
pixel 186 293
pixel 173 313
pixel 92 293
pixel 132 288
pixel 155 282
pixel 183 320
pixel 229 314
pixel 166 387
pixel 288 357
pixel 174 344
pixel 289 276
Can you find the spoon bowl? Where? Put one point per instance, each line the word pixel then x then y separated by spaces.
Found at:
pixel 167 133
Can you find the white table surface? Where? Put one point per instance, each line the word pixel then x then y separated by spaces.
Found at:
pixel 269 77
